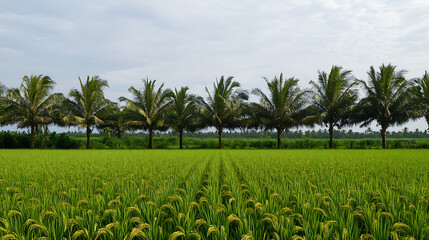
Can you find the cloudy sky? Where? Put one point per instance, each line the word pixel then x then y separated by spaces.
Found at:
pixel 191 43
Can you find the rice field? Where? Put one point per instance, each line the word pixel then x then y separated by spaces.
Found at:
pixel 214 194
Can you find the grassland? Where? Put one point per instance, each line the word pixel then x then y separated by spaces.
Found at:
pixel 214 194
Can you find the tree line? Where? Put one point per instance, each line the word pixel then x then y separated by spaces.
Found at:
pixel 333 101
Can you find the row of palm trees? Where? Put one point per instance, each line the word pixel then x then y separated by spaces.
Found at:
pixel 333 101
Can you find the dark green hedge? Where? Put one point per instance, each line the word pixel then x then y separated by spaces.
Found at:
pixel 243 143
pixel 64 141
pixel 49 141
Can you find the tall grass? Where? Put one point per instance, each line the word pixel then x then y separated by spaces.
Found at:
pixel 210 194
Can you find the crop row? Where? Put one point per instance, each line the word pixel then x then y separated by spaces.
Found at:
pixel 214 195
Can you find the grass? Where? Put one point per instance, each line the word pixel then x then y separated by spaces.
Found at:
pixel 213 194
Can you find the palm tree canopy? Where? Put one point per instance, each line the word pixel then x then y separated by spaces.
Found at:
pixel 423 86
pixel 30 104
pixel 112 116
pixel 224 105
pixel 87 104
pixel 182 110
pixel 421 95
pixel 148 104
pixel 281 108
pixel 387 98
pixel 2 89
pixel 334 96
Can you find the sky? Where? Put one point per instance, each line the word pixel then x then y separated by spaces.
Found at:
pixel 192 43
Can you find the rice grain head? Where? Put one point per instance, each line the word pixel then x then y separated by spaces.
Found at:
pixel 176 235
pixel 212 230
pixel 136 234
pixel 80 234
pixel 401 228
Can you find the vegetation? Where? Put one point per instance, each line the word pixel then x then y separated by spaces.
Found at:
pixel 87 107
pixel 209 194
pixel 281 109
pixel 149 106
pixel 334 99
pixel 422 95
pixel 390 100
pixel 31 105
pixel 182 113
pixel 224 106
pixel 115 122
pixel 237 140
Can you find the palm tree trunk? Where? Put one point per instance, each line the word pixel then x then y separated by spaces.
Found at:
pixel 32 137
pixel 119 133
pixel 220 137
pixel 149 146
pixel 331 135
pixel 181 138
pixel 88 137
pixel 383 136
pixel 279 138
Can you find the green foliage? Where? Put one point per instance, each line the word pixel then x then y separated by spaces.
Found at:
pixel 32 105
pixel 334 98
pixel 147 108
pixel 13 140
pixel 388 99
pixel 212 194
pixel 224 106
pixel 421 95
pixel 182 112
pixel 114 122
pixel 282 109
pixel 87 106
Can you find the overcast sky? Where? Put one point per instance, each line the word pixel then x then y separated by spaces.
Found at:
pixel 191 43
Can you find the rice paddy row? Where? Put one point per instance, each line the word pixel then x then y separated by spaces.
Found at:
pixel 211 194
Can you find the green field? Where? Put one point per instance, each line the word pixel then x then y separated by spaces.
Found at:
pixel 214 194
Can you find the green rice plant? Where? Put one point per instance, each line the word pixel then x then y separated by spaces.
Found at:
pixel 209 194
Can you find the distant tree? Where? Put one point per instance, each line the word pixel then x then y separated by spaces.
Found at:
pixel 421 95
pixel 148 106
pixel 387 100
pixel 182 112
pixel 224 105
pixel 30 105
pixel 87 105
pixel 115 120
pixel 282 108
pixel 334 99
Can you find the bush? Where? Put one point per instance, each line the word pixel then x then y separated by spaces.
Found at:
pixel 64 141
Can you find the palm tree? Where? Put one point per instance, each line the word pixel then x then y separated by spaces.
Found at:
pixel 387 100
pixel 182 112
pixel 334 98
pixel 422 95
pixel 30 105
pixel 3 90
pixel 114 120
pixel 224 105
pixel 149 106
pixel 282 108
pixel 87 105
